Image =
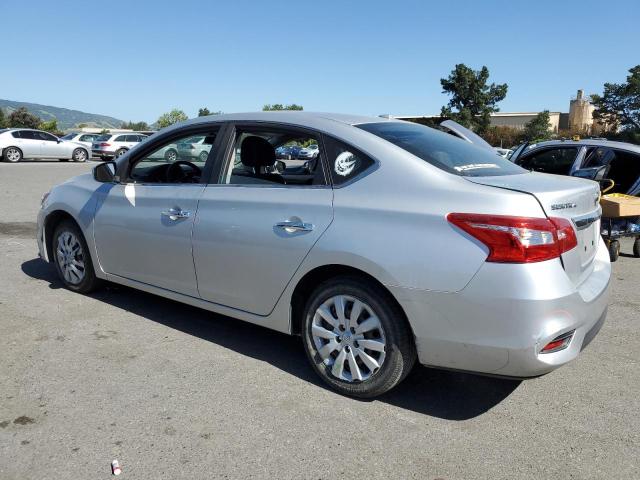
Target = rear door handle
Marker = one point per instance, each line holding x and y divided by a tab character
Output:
176	214
294	226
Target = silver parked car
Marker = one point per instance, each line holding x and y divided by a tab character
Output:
397	243
25	143
85	139
109	145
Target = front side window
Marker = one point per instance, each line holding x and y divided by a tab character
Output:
273	158
442	150
171	162
551	160
46	137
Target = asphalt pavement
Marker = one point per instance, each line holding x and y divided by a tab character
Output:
172	391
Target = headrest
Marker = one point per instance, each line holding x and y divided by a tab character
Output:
257	152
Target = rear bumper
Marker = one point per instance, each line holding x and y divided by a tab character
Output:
506	314
102	153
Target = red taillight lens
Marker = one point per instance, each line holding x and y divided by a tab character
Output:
559	343
104	144
518	239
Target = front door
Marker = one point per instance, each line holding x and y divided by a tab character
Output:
52	147
143	225
257	224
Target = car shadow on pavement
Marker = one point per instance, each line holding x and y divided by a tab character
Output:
443	394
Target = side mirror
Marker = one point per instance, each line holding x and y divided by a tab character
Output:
105	172
60	140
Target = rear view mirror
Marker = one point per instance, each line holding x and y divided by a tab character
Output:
105	172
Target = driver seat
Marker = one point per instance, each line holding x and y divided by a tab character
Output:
256	154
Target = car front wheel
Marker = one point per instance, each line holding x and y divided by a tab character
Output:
72	259
357	338
79	155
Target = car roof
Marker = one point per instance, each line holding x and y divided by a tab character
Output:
302	118
593	142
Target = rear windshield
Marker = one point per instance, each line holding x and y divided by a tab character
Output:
69	136
103	138
443	150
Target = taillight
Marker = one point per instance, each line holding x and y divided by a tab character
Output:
104	144
518	239
559	343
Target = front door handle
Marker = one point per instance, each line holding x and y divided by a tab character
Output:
176	214
291	226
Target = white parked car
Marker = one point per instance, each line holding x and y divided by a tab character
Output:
19	143
309	152
85	139
112	145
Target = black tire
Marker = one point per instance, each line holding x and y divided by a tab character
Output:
89	281
399	351
171	155
636	248
614	250
120	152
77	157
12	154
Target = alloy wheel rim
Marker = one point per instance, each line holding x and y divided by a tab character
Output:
79	155
13	155
172	156
349	338
70	258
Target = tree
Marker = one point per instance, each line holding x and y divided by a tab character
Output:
619	104
50	126
471	97
203	112
137	126
174	116
503	136
278	106
3	120
22	118
538	128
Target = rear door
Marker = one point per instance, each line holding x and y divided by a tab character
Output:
255	226
29	142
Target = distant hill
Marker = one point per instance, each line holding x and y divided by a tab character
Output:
66	118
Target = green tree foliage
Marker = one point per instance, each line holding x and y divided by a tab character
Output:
3	120
278	106
135	126
51	126
203	112
22	118
503	136
619	104
472	99
174	116
538	128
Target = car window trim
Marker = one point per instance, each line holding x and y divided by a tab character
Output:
124	168
225	157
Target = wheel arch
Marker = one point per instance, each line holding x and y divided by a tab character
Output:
51	221
317	275
13	146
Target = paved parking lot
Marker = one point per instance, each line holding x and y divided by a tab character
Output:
175	392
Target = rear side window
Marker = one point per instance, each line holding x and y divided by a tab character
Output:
550	160
121	138
16	134
345	162
442	150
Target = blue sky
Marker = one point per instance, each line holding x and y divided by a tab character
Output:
137	59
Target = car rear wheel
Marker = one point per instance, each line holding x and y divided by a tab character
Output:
12	154
79	155
636	248
121	152
72	259
357	338
203	156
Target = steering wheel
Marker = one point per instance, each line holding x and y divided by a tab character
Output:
176	174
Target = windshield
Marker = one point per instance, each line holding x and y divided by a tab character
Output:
443	150
69	136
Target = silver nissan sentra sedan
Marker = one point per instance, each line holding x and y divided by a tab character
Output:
397	243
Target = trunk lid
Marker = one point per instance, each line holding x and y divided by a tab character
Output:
565	197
